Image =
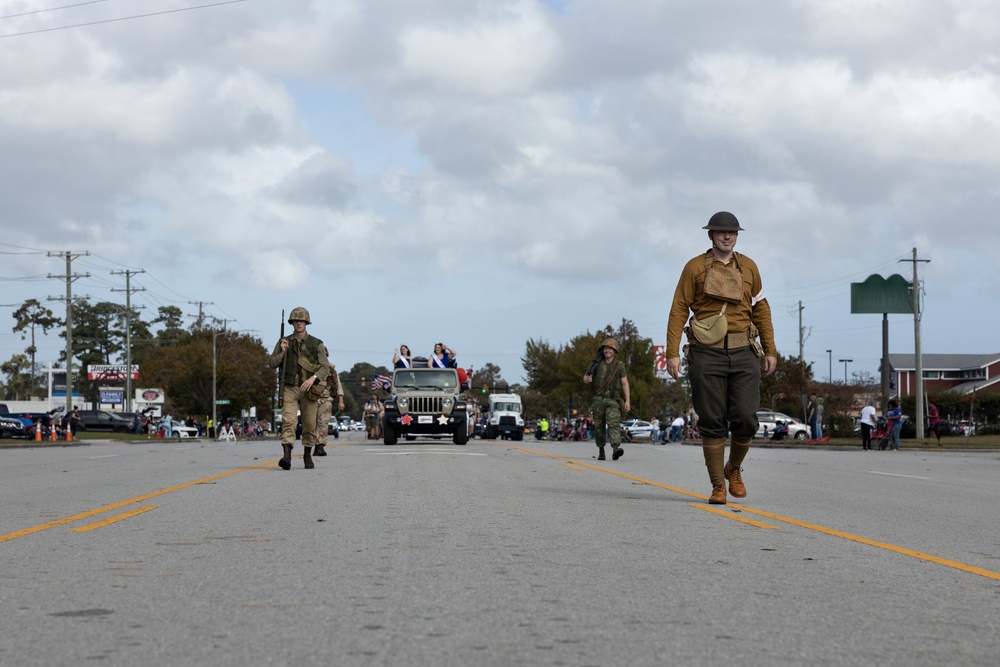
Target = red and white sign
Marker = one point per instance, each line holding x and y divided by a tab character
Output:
149	395
660	361
111	372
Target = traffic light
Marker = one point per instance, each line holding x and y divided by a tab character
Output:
485	388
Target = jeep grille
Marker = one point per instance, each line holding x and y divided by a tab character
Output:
426	404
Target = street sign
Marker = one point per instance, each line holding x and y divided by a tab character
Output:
222	401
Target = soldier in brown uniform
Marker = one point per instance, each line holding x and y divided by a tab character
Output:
324	408
611	399
306	369
723	291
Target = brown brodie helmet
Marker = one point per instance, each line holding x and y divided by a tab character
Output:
723	221
299	313
610	342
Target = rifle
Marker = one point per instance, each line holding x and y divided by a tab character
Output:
598	358
281	368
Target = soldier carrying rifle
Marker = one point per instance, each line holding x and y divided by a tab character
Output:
304	372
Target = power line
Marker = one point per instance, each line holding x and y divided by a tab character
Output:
121	18
52	9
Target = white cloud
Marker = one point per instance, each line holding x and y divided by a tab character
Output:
574	153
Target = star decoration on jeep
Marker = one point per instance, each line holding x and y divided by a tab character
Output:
442	420
405	420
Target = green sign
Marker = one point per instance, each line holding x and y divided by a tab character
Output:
222	401
882	295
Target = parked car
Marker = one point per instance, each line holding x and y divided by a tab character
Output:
640	429
333	428
11	427
128	416
29	419
99	420
182	430
769	419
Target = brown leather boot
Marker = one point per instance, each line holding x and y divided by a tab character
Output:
307	458
736	486
718	496
285	462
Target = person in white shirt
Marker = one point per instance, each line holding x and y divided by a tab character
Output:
677	430
867	425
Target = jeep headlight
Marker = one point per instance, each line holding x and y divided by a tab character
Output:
403	404
447	403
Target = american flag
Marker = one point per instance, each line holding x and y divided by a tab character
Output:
380	381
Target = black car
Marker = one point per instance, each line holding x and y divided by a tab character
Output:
99	420
11	427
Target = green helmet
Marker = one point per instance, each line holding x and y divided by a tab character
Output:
723	221
299	313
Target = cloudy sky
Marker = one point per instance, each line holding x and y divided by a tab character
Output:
482	172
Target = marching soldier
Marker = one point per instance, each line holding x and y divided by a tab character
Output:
305	369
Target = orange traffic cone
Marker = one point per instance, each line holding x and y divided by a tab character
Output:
38	431
69	434
52	433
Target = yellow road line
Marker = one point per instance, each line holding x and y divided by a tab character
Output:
971	569
113	519
729	514
881	545
124	503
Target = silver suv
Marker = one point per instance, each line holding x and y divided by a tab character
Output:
425	402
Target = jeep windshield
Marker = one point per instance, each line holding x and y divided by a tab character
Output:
429	379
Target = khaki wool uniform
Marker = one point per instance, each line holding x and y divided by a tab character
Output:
303	359
324	407
725	378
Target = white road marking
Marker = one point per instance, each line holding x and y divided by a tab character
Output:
893	474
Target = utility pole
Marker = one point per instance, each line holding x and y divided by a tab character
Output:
69	277
128	330
201	315
801	341
916	345
829	375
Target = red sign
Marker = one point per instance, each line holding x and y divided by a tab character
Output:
660	358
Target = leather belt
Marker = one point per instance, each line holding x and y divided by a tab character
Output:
732	341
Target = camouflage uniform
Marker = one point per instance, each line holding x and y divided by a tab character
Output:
606	406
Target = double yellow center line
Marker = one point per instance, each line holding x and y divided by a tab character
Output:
919	555
124	503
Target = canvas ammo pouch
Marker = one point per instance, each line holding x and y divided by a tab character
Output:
724	283
709	330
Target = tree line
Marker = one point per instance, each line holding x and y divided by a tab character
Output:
178	359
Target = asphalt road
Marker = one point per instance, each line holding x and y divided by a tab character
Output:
427	553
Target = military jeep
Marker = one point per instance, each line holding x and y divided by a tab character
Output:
425	402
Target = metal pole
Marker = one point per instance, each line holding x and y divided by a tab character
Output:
69	334
916	345
829	375
215	424
845	362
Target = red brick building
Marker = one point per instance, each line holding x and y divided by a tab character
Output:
961	373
